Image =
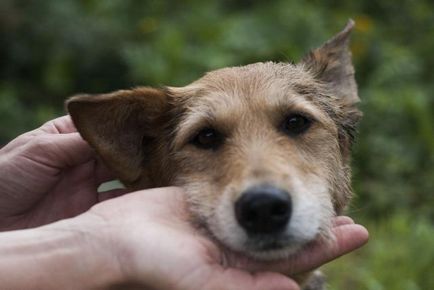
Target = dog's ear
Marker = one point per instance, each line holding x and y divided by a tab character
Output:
121	127
331	63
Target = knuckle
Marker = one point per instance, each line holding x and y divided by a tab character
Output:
48	127
40	142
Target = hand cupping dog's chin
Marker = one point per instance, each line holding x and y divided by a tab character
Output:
244	256
250	260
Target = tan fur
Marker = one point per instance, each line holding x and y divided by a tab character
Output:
144	135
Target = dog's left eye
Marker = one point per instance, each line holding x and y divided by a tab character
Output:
207	138
296	124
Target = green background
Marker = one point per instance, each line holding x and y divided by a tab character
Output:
52	49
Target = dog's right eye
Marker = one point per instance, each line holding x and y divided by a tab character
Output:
296	124
207	138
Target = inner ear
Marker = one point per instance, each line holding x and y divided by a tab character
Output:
331	63
122	127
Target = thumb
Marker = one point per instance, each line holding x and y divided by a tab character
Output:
236	279
348	237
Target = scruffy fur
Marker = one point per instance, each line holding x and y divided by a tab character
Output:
144	135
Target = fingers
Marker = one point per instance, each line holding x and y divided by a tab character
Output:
60	143
241	280
56	144
64	126
348	237
61	125
342	220
64	150
268	280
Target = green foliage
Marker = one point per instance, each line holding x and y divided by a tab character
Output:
52	49
398	256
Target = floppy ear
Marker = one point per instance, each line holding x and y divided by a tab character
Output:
121	126
331	63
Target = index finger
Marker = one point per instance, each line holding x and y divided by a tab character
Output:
60	125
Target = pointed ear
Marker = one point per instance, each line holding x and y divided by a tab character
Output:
331	63
121	126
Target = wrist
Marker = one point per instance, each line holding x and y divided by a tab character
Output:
96	255
70	254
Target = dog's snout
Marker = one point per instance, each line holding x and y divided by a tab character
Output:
263	210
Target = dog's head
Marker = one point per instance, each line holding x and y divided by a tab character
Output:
262	150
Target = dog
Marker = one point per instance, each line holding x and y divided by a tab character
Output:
262	150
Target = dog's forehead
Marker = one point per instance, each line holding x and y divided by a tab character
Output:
256	85
260	80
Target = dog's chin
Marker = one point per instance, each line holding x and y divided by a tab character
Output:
269	248
261	247
274	253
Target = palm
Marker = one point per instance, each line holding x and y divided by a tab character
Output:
161	247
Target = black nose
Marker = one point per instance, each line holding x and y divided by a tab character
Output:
263	210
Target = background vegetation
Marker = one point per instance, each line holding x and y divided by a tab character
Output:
52	49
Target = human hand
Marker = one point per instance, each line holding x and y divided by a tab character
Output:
46	175
144	239
155	245
50	174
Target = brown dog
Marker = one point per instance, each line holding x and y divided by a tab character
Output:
262	150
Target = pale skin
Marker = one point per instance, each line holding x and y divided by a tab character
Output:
58	232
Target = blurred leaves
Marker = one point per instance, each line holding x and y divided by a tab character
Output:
401	257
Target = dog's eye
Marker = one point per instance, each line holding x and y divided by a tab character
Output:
296	124
207	138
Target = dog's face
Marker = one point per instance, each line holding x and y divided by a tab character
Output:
262	150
